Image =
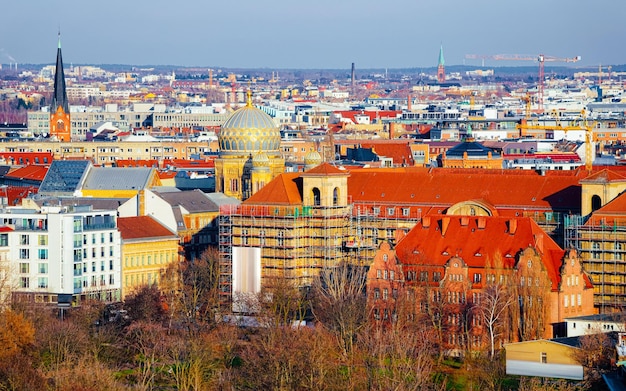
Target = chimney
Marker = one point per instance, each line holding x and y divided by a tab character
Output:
426	221
409	103
464	221
445	222
512	226
352	76
481	222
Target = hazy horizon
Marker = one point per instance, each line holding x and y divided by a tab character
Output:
325	35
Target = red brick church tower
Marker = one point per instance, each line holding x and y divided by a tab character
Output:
60	108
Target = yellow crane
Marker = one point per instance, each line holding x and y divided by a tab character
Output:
541	58
581	124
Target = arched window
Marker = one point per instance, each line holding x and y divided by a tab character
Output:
596	203
335	196
316	196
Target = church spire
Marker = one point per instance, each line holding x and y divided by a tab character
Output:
60	123
59	97
441	71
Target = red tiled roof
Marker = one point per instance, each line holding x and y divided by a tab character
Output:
511	190
326	169
400	152
166	174
502	188
31	172
283	190
478	240
183	163
136	163
142	227
605	175
28	157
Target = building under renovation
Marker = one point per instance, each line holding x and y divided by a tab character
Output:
300	223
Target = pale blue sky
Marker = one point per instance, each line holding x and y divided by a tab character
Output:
316	34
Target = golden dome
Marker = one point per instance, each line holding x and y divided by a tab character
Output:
249	130
261	160
313	158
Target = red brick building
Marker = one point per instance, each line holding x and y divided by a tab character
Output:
445	269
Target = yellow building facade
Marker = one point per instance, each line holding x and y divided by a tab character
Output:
148	249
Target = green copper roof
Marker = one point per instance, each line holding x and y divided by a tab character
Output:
441	60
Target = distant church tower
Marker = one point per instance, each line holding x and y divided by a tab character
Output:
441	71
60	108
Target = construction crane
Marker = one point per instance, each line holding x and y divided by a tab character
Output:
541	58
581	124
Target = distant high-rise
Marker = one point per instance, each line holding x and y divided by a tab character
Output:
59	107
441	71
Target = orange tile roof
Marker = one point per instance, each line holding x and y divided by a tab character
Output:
478	243
511	190
605	175
142	227
31	172
166	174
284	190
502	188
326	169
400	152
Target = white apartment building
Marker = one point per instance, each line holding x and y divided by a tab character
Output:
63	254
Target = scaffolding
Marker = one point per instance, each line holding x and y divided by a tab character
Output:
297	242
601	244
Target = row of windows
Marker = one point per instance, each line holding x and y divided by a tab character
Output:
140	279
385	295
94	281
42	282
82	268
385	274
145	260
569	299
42	268
42	253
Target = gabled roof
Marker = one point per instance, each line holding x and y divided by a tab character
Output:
478	240
325	169
605	175
193	201
143	227
115	178
283	190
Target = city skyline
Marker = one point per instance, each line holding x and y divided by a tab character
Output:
326	35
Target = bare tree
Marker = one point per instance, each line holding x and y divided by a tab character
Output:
339	302
281	302
495	300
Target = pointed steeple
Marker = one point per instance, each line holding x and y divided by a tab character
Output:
441	71
441	60
59	97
